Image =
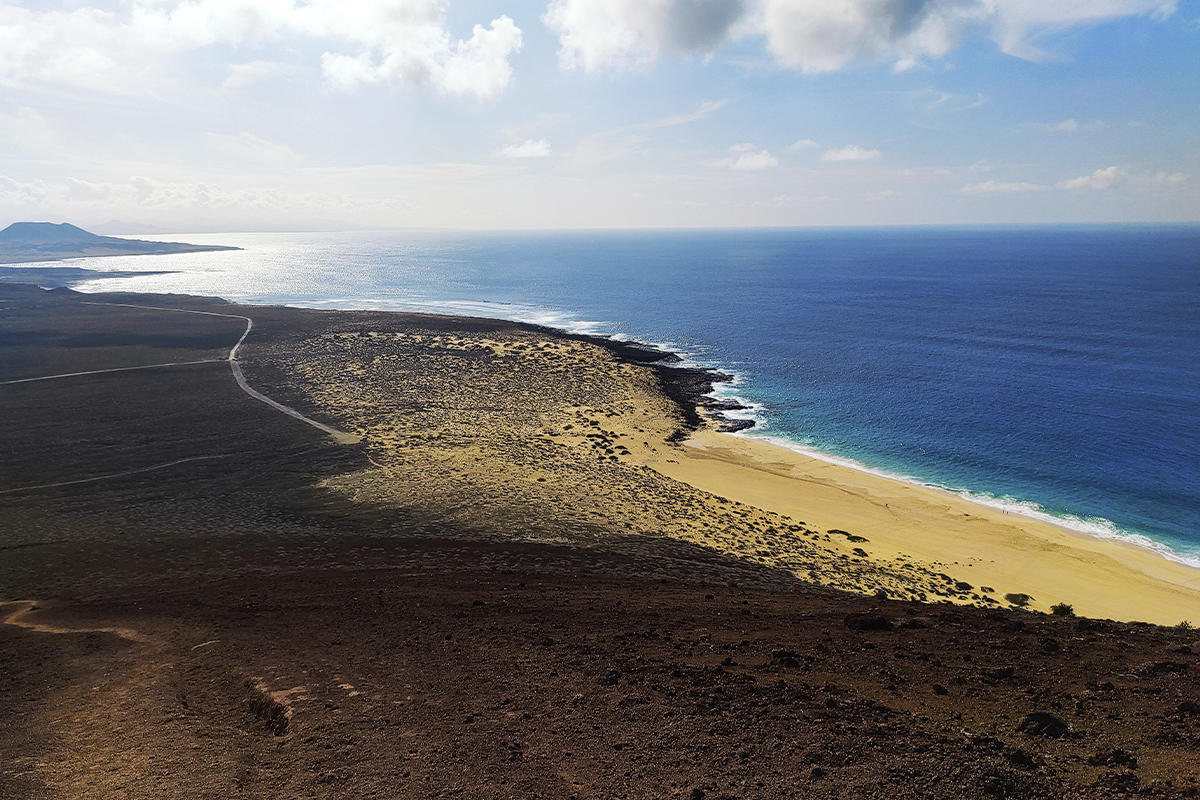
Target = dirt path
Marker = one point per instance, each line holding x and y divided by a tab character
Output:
114	369
114	474
26	607
339	436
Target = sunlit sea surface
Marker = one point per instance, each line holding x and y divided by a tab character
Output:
1053	371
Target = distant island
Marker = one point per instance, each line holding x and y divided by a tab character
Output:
23	242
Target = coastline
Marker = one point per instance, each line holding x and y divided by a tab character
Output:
850	529
828	524
1018	508
1010	553
696	390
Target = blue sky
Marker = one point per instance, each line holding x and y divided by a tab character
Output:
279	114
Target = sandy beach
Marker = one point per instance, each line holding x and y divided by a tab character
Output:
987	547
569	427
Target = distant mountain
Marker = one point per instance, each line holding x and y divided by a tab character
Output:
46	232
48	241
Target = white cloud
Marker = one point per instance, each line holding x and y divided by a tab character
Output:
747	160
803	144
1100	179
402	42
989	187
816	35
530	148
851	153
750	162
616	34
1066	126
85	190
1168	178
15	193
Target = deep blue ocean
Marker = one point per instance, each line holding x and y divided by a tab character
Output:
1052	370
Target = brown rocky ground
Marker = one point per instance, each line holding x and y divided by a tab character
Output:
288	623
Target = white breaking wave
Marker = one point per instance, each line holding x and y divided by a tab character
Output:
1097	527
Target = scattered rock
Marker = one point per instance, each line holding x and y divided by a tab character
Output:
867	622
1155	668
1041	723
1119	781
1114	758
999	673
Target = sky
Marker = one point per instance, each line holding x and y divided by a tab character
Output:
211	115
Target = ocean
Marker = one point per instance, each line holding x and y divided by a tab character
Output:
1053	371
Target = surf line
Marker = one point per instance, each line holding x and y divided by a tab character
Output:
341	437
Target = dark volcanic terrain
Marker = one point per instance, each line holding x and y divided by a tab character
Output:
198	607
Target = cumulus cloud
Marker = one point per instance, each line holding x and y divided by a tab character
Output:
1168	178
851	152
1100	179
530	148
803	144
750	162
815	35
747	160
604	34
400	42
16	193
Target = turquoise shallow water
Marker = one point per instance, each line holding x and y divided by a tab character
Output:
1052	370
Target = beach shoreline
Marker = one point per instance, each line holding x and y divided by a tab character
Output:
695	390
828	524
1009	552
513	429
1021	510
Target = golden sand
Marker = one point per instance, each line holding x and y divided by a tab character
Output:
520	434
985	546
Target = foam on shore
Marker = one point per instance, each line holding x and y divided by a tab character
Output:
1094	527
1011	553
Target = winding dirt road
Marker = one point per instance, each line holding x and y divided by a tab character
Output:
339	436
